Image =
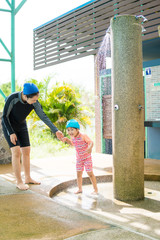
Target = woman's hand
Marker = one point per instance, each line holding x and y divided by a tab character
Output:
59	135
13	138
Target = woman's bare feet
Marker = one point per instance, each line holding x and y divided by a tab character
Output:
22	186
31	181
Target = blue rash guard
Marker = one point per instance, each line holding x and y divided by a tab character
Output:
14	119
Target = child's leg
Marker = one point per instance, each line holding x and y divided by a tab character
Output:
93	181
79	181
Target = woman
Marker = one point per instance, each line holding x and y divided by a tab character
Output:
17	107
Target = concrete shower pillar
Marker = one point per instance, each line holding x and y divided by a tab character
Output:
128	119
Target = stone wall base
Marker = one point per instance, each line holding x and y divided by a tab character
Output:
5	153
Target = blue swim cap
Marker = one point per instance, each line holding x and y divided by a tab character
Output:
73	124
29	88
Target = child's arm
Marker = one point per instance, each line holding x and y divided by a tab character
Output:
89	141
90	146
67	140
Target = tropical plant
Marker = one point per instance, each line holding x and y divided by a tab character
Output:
62	103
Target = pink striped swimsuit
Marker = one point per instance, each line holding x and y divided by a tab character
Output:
84	159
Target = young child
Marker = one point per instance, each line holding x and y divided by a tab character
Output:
83	145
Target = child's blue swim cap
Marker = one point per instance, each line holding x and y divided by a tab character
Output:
73	124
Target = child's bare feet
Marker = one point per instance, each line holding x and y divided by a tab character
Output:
31	181
95	193
78	191
22	186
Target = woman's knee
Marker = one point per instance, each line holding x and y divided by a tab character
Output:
25	151
16	153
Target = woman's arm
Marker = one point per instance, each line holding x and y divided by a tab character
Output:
39	111
9	104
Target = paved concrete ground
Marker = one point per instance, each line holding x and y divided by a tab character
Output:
139	219
28	215
34	215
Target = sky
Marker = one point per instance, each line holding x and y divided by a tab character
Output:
33	14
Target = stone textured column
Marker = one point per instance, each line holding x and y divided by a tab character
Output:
5	153
128	120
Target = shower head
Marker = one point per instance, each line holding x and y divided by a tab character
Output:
141	16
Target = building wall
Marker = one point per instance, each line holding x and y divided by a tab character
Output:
152	83
103	112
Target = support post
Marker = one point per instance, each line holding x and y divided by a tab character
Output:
13	12
128	117
12	46
2	93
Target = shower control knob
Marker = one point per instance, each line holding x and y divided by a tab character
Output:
116	107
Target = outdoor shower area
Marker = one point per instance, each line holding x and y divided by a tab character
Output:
123	37
80	32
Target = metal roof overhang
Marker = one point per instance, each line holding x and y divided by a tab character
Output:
79	32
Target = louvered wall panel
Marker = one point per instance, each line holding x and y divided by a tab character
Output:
80	32
151	10
74	35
